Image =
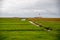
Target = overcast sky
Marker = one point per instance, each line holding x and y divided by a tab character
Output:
29	8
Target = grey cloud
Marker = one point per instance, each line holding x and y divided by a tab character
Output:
30	8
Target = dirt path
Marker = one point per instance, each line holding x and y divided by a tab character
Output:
36	24
40	25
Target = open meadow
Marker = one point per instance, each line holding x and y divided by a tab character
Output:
16	29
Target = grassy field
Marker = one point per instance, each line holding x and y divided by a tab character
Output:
15	29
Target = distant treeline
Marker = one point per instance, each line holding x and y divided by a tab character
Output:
37	18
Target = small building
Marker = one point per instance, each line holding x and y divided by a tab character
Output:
23	19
